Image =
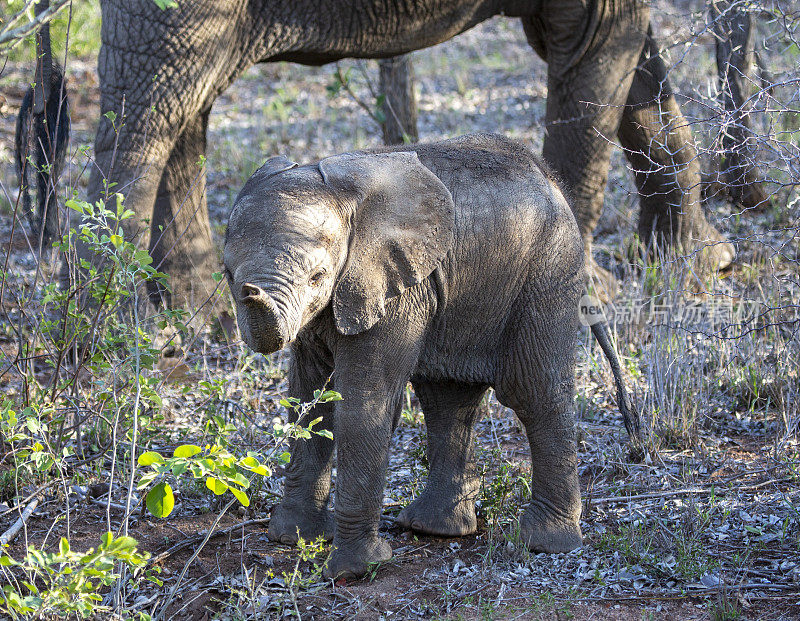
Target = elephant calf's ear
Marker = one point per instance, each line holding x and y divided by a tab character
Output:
402	228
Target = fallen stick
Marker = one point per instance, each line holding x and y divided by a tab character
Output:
701	491
117	508
8	536
202	535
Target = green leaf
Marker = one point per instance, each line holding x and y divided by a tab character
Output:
166	4
116	240
124	543
78	206
149	458
249	462
179	468
240	496
217	276
330	395
241	480
216	486
160	500
187	450
143	257
146	479
63	547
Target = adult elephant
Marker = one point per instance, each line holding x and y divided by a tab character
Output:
164	69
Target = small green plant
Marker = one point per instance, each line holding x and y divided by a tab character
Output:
410	415
503	493
310	552
222	470
724	608
66	582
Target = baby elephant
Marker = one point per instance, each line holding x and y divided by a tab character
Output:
456	265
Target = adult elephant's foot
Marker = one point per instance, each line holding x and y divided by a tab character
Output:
436	512
287	523
352	559
600	283
695	238
716	252
542	531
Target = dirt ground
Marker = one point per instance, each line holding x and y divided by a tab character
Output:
702	525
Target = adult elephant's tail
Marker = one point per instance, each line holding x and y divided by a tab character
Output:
630	415
41	139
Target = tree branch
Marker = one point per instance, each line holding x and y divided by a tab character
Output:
10	37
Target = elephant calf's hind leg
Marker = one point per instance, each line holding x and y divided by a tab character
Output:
542	400
447	505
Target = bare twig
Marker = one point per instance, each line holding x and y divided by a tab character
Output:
698	491
10	37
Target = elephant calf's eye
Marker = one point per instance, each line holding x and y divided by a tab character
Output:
316	279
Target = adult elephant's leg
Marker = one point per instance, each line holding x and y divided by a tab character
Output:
159	70
180	240
304	509
733	28
447	505
658	144
591	50
130	154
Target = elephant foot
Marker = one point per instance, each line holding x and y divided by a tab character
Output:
443	515
543	532
288	523
699	241
353	559
716	252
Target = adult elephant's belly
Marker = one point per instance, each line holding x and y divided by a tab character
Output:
368	29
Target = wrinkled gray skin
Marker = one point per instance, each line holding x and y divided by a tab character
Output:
457	265
164	69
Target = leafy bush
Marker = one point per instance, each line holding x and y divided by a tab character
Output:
67	582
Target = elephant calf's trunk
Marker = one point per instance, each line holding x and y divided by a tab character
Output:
261	324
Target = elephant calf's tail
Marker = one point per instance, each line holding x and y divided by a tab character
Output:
630	415
41	144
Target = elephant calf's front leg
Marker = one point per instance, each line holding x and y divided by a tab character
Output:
363	431
303	511
372	370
